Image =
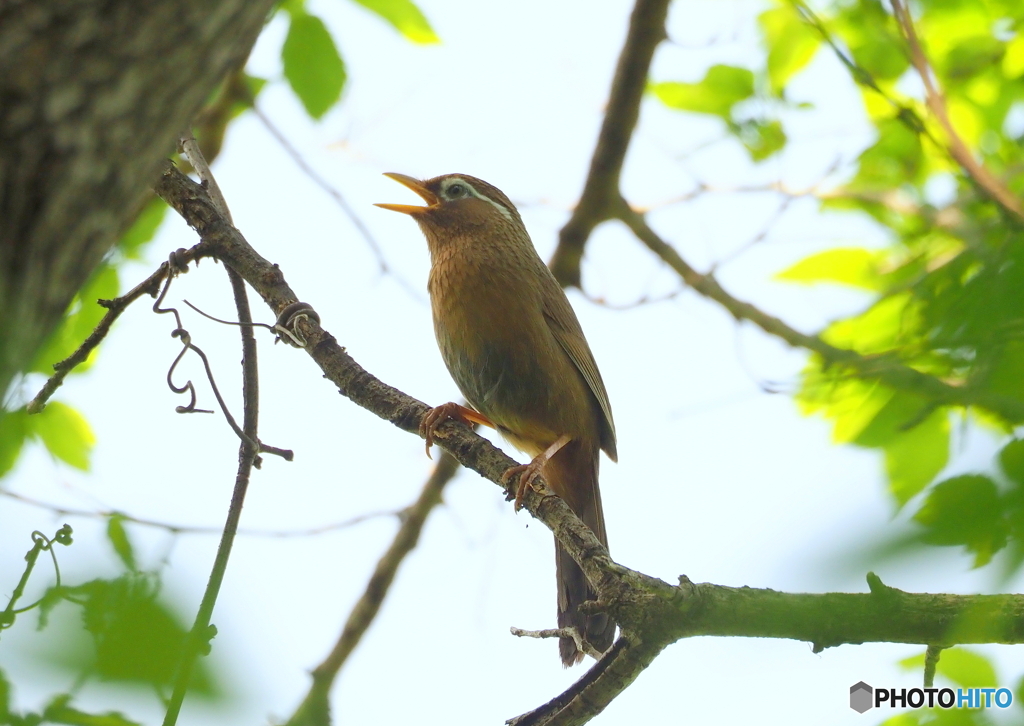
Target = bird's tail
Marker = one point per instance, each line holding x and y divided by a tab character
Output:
572	474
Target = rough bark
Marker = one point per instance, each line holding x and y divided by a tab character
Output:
92	97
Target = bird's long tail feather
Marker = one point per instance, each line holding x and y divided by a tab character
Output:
572	474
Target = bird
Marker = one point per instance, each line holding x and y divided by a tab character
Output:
514	347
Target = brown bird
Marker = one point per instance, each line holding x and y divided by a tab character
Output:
513	345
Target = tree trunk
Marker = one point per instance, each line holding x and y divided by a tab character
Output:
93	94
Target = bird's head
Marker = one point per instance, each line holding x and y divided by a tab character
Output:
457	206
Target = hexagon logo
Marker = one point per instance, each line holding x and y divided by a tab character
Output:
860	697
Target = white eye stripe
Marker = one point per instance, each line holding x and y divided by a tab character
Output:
449	183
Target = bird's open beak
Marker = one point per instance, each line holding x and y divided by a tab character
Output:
417	186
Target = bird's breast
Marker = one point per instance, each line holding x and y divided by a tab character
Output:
490	328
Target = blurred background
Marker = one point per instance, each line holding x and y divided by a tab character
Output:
722	477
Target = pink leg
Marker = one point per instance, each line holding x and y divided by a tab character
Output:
529	472
454	411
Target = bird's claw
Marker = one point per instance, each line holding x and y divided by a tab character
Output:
431	420
436	416
527	474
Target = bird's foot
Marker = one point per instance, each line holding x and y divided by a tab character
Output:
528	472
436	416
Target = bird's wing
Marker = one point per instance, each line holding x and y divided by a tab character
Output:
567	331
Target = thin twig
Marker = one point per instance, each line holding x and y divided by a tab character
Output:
195	155
931	663
366	609
229	322
340	200
761	236
882	367
985	180
177	264
703	188
40	543
192	529
567	632
248	455
149	286
638	303
859	73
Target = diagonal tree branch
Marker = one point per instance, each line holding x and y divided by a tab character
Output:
601	189
315	707
650	612
985	180
882	367
597	688
150	286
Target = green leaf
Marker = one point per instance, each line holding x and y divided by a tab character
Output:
895	159
1013	60
1011	459
104	285
964	510
971	56
5	698
1007	370
255	84
244	97
880	328
761	138
406	18
854	266
118	537
850	402
791	44
14	427
144	228
59	711
66	434
965	668
312	64
915	458
873	38
136	637
720	89
915	442
120	630
53	597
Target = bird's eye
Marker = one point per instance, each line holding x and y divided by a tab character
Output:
456	190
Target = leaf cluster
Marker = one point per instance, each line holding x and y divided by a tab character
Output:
133	635
946	291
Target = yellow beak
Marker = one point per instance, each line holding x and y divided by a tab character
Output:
417	186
